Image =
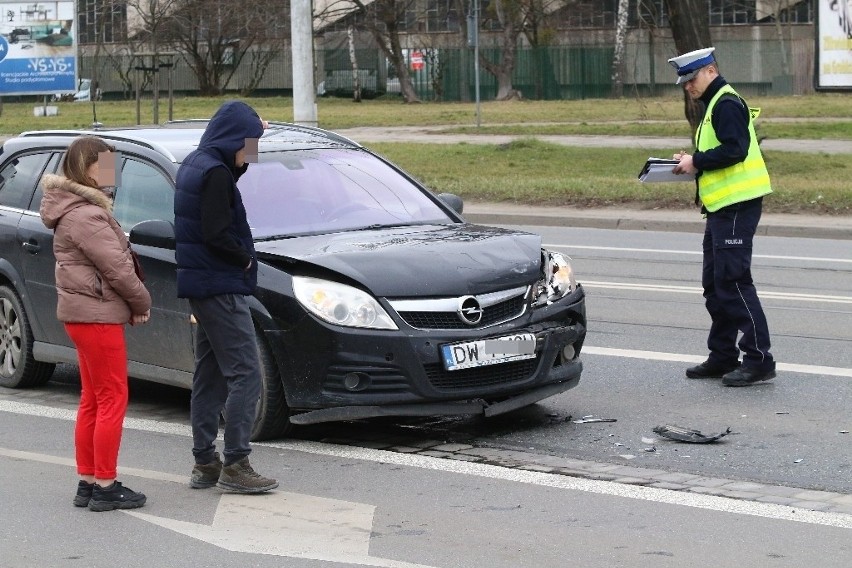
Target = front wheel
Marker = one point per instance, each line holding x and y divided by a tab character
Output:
272	415
18	367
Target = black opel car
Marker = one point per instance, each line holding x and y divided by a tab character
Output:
375	297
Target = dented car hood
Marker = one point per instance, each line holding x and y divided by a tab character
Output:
423	260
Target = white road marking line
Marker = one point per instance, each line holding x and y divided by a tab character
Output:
652	494
698	253
683	358
699	291
283	523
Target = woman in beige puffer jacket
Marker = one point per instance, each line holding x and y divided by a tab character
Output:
98	293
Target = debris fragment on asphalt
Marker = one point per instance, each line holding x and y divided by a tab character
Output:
650	449
589	419
844	431
682	434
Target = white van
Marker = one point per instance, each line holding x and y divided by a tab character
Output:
83	93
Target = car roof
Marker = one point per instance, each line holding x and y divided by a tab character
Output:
175	139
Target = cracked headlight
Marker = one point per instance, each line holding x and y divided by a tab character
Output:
340	304
557	278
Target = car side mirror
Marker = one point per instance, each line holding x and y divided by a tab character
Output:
455	202
154	233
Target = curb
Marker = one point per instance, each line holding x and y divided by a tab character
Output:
793	497
772	225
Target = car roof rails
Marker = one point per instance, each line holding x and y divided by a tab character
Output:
331	135
104	134
274	125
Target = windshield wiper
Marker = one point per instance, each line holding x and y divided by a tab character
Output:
375	226
275	238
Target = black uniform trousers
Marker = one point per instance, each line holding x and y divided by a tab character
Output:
729	292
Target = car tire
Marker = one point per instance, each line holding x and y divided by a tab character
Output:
272	418
18	367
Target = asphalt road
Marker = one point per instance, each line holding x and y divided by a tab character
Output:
342	506
530	488
647	323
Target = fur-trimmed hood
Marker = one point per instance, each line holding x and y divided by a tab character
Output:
95	279
62	195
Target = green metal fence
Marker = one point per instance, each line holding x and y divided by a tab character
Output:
549	73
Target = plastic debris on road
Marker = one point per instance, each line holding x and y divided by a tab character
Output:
589	419
690	435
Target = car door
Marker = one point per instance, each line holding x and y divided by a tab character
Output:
30	247
144	191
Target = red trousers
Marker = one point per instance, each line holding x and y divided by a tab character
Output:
102	354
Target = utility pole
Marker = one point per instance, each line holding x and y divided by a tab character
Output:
302	39
473	41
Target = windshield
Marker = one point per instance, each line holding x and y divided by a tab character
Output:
330	190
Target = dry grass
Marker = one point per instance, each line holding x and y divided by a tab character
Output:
528	170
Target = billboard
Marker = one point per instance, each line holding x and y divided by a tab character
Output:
38	48
834	45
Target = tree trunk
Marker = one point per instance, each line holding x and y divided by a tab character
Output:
779	31
505	68
356	80
690	30
618	56
406	87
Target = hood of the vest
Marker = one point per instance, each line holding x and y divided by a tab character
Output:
426	260
227	131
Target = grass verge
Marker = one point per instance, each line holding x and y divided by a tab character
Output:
529	170
535	172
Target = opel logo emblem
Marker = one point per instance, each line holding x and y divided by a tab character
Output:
470	311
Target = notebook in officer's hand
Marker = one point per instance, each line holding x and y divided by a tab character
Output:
660	169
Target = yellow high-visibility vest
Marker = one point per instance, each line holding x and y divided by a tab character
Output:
740	182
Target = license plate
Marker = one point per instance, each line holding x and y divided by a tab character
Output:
488	351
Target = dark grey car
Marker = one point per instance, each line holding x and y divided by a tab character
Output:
375	297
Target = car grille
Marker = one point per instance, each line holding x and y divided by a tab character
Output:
491	375
443	313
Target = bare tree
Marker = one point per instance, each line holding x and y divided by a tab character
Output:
618	56
382	19
103	14
539	28
690	24
151	19
776	7
215	35
510	15
353	60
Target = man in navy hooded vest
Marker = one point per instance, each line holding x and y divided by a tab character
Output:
216	270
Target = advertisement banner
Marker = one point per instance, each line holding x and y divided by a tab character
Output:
834	45
38	48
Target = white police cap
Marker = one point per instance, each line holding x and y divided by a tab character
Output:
688	64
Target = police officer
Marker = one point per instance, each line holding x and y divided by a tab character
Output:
731	180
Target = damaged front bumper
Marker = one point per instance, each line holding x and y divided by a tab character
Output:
470	408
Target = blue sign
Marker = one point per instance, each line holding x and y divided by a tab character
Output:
38	53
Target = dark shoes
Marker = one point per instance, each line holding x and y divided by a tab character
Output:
711	370
114	496
241	478
206	475
84	494
745	376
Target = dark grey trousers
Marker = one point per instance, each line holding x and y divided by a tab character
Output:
227	376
